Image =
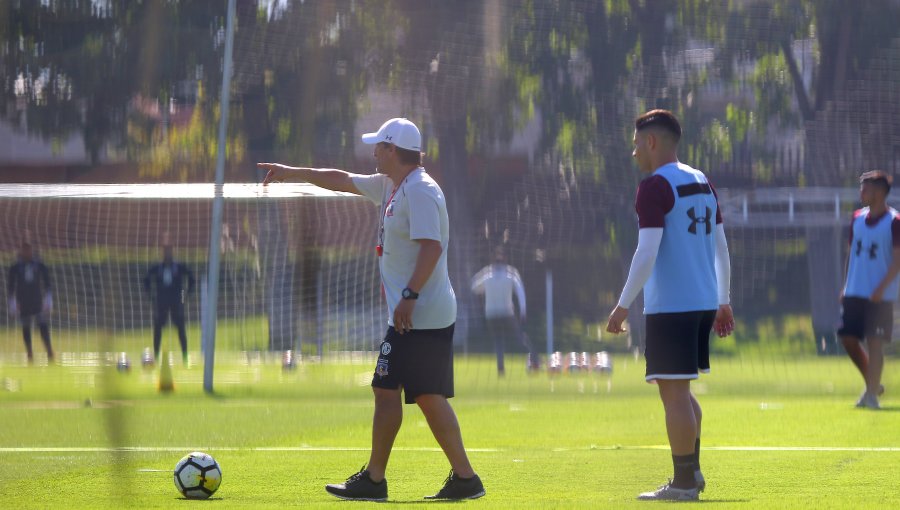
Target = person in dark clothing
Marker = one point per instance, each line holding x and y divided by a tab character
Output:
28	288
168	283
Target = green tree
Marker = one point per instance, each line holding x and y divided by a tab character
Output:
77	67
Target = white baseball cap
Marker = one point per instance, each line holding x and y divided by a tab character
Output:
400	132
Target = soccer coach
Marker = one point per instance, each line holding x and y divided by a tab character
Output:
682	264
416	356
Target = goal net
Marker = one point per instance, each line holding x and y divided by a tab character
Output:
297	271
526	111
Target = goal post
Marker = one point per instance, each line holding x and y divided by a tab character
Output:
208	339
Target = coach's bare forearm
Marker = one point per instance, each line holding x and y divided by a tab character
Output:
328	178
429	255
893	271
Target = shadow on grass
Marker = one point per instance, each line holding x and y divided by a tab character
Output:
425	502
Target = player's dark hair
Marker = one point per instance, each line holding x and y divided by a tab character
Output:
878	178
663	119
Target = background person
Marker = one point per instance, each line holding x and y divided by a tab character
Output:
871	283
168	284
30	298
499	282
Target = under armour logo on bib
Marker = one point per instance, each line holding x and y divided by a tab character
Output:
873	249
692	214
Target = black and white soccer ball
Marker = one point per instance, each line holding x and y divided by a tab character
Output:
197	476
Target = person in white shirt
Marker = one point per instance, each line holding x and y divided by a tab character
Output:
499	283
416	356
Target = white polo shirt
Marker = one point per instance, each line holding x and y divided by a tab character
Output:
416	210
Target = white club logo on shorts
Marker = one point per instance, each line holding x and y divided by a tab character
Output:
385	348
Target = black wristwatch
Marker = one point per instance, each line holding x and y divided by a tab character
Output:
409	294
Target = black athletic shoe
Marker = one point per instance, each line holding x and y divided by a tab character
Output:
359	487
456	488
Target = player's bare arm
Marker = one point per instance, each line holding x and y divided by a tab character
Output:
328	178
616	322
846	269
429	253
893	271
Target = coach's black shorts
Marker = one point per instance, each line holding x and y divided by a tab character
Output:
420	361
862	318
678	344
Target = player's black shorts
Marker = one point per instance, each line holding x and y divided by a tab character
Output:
862	318
678	344
420	361
27	320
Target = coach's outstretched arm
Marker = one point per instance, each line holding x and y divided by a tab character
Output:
328	178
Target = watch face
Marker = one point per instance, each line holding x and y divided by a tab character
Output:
407	293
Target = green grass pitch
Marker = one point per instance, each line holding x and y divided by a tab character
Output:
777	434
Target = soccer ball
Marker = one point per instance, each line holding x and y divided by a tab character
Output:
197	476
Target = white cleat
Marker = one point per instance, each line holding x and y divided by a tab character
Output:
868	401
872	402
669	493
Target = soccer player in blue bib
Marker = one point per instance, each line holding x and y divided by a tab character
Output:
682	264
871	284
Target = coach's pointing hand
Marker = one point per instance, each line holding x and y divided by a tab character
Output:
276	172
616	320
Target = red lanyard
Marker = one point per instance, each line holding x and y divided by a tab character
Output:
389	200
379	248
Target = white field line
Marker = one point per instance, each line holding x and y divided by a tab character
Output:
745	448
102	449
126	449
